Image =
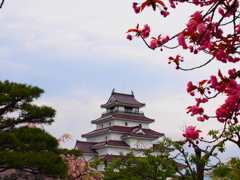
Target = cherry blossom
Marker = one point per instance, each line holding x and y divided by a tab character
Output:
192	133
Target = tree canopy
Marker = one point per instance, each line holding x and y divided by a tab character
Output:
156	164
228	171
33	152
29	150
16	106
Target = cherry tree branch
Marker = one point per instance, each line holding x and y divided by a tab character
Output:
1	5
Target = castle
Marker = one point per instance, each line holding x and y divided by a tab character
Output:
121	128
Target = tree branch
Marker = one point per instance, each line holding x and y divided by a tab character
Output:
1	5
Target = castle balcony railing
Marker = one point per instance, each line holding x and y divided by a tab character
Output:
126	111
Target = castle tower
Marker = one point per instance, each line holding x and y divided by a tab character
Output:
121	128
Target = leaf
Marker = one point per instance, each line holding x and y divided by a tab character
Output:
202	82
236	38
159	36
160	2
225	40
220	75
147	3
132	30
137	26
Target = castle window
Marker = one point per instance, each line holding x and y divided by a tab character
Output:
102	125
126	123
109	124
106	137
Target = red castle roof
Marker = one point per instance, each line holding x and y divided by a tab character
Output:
124	99
138	131
122	129
88	147
122	116
85	147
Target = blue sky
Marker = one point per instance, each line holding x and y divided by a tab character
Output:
77	52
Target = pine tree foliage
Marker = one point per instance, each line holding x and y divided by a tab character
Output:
16	106
30	151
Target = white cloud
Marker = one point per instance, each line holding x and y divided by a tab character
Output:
75	110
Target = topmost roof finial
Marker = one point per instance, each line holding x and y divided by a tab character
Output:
132	92
113	90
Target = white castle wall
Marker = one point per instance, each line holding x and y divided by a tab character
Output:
117	122
112	150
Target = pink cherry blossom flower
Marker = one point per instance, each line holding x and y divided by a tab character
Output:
145	31
210	46
195	51
197	110
197	15
181	41
129	37
135	8
221	56
164	13
196	2
192	93
213	1
201	100
205	40
222	113
191	48
191	24
201	27
231	72
232	87
238	28
192	133
172	4
153	44
200	118
190	86
220	11
233	60
165	39
232	102
214	82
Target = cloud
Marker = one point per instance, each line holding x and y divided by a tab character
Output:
75	110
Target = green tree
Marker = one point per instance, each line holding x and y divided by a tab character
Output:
30	151
228	171
33	152
16	106
155	165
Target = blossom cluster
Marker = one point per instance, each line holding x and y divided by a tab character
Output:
144	33
206	32
79	169
154	3
201	32
155	42
192	133
229	110
204	35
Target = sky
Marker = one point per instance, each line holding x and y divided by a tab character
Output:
77	52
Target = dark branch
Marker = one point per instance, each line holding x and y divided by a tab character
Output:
1	5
